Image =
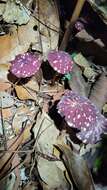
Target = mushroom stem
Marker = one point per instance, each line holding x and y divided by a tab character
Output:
17	81
55	78
74	17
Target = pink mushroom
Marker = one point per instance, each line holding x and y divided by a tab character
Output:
60	61
79	26
25	65
81	113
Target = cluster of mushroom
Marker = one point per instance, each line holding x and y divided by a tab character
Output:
27	64
80	113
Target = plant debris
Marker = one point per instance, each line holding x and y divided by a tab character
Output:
53	95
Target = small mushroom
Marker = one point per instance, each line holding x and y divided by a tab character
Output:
79	112
25	65
60	61
79	26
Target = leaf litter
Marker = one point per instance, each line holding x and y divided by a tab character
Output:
38	149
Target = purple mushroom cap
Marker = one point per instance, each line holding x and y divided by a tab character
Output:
60	61
81	113
25	65
79	26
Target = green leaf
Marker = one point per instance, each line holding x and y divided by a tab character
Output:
98	163
67	76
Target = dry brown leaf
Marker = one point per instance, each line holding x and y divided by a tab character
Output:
6	100
2	6
4	71
77	82
52	90
84	63
27	133
77	168
4	85
32	85
22	114
16	161
6	113
42	38
89	47
31	186
83	34
56	91
8	47
57	96
18	41
105	108
15	13
27	35
52	175
46	133
99	92
24	93
7	158
48	14
46	106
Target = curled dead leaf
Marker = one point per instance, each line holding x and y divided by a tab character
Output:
24	94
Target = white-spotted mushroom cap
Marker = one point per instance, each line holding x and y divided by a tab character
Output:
60	61
25	65
79	112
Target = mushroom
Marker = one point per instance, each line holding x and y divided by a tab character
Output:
60	61
25	65
79	26
80	113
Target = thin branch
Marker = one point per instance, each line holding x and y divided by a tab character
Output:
76	13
